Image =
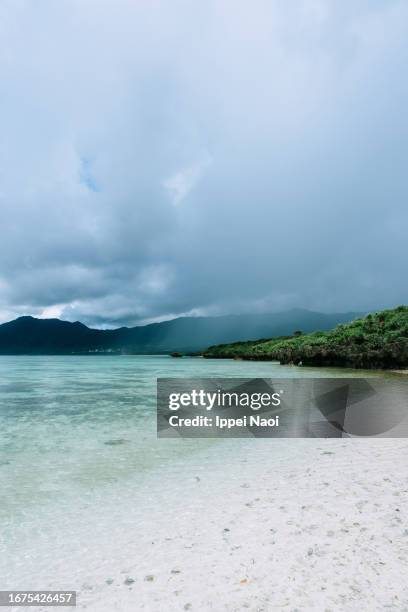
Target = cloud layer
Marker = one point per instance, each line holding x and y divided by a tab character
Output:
163	158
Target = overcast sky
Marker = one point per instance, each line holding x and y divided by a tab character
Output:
160	158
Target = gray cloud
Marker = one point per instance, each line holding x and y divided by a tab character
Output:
165	158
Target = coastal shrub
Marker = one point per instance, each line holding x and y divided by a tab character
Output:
378	340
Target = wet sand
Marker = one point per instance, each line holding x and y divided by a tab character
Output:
92	501
291	525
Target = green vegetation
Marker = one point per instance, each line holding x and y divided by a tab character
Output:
379	340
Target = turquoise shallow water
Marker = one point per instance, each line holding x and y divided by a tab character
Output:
86	484
72	424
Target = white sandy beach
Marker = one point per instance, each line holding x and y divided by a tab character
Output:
92	501
281	524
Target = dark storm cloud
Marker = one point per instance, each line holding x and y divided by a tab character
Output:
165	158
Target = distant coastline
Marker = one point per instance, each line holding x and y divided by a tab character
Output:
297	337
30	336
377	341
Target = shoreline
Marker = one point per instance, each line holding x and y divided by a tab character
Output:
135	522
311	525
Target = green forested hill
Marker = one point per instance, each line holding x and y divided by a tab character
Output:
379	340
30	336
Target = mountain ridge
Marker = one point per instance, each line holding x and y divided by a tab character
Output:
30	335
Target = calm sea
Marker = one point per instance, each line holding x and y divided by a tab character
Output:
78	422
79	456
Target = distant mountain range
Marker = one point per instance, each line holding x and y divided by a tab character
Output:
31	336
